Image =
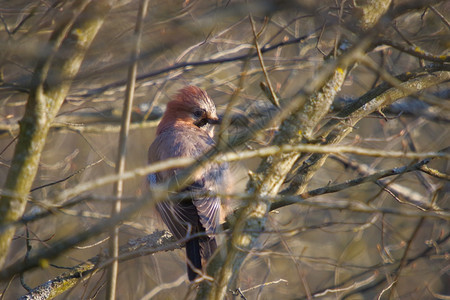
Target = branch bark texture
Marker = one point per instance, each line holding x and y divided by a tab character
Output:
50	84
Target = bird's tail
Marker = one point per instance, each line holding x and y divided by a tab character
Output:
196	249
193	255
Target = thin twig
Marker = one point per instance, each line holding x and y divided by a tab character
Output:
435	173
403	260
120	164
442	17
67	177
186	64
245	154
27	241
273	97
417	52
164	286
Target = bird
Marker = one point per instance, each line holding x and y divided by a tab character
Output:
187	130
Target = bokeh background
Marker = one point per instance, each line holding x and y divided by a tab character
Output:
306	251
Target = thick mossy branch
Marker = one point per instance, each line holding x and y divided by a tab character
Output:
372	11
319	104
50	84
310	106
317	97
157	241
338	128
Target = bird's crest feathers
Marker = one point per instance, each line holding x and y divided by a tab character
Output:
191	106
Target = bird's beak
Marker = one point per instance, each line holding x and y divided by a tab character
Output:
214	120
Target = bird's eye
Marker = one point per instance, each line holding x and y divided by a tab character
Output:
199	113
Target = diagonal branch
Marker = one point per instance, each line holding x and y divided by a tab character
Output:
50	85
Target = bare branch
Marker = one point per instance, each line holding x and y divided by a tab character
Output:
51	82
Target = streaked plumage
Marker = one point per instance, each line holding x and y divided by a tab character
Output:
186	131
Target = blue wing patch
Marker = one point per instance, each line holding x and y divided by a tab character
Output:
151	178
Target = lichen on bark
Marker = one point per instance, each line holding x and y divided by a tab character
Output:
50	84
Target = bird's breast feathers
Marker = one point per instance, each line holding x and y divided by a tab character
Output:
180	142
183	142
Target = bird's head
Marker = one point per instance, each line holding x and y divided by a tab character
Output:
193	107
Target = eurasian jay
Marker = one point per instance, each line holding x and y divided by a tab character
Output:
186	131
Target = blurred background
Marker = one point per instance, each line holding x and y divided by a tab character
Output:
306	252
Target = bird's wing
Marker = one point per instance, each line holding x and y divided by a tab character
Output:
212	182
182	217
